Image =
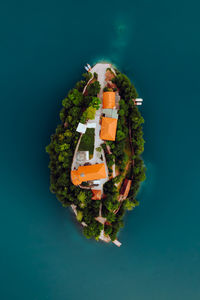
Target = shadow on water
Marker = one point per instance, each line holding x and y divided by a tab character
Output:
121	33
150	183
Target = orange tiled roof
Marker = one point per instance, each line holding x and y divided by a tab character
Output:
86	173
96	194
108	99
108	129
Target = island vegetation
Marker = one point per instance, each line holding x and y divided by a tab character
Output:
129	134
87	141
125	152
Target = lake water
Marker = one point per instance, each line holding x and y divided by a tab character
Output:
44	45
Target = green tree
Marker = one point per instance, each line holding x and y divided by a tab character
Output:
107	229
120	135
82	197
68	133
95	102
87	76
129	204
121	112
79	215
90	113
75	97
93	89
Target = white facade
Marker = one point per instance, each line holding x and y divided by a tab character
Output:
96	181
91	125
81	128
117	243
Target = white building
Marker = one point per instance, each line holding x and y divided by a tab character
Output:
81	128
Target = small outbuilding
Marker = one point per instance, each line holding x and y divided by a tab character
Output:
96	195
81	128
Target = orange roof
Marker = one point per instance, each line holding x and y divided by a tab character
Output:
108	129
108	99
86	173
96	194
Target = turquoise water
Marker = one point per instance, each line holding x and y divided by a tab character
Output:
44	45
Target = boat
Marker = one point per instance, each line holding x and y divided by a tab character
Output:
89	67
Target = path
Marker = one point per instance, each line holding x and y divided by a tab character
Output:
100	69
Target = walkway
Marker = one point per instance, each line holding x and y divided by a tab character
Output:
98	157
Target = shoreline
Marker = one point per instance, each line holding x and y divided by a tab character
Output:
105	172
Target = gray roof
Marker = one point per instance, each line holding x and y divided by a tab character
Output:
110	113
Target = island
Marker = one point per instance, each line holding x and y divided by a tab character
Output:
95	153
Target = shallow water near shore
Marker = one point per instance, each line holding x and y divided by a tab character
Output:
43	49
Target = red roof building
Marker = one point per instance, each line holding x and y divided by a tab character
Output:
124	191
96	195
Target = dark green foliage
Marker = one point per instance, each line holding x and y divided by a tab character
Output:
93	227
110	160
115	229
80	86
87	76
107	229
127	90
111	201
93	89
92	230
107	89
87	141
95	102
